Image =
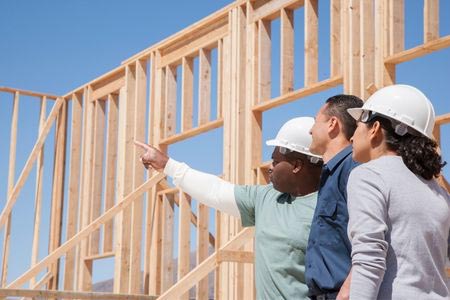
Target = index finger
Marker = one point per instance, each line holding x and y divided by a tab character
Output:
142	145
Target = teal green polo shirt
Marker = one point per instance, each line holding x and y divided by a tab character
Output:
282	225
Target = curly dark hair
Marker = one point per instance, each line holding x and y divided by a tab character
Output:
337	107
419	153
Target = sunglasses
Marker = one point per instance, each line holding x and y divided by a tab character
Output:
399	128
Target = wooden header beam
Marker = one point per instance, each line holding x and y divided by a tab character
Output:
44	294
27	93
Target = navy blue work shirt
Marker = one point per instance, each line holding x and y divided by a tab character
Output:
328	255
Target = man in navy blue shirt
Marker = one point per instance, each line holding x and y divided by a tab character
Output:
328	255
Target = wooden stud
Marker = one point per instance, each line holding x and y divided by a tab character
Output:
354	48
220	62
396	26
125	181
84	280
431	20
384	72
311	42
204	87
187	96
58	191
97	172
345	47
167	268
38	193
265	59
202	247
156	248
11	175
151	194
111	165
335	38
170	101
287	52
367	63
138	177
184	237
74	189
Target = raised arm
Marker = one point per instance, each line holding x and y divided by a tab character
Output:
206	188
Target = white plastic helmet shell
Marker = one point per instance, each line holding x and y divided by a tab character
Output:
294	135
403	103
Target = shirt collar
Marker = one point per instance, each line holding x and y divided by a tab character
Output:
336	160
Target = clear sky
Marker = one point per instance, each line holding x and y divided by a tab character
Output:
55	46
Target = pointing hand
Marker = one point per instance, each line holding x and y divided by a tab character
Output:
152	157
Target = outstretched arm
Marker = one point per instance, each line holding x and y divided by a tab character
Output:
206	188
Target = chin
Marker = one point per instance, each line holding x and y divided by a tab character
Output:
359	158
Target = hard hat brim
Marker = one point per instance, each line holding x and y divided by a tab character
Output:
277	143
355	112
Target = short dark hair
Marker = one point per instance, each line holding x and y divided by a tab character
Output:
337	107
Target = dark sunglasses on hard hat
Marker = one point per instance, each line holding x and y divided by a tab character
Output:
367	116
399	128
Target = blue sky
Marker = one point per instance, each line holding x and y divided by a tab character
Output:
55	46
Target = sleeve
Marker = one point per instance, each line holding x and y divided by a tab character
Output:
206	188
366	230
245	198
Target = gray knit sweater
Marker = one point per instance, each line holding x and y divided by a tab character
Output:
399	225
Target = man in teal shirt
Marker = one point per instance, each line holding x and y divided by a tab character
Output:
281	211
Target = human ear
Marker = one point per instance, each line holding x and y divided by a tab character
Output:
375	132
333	123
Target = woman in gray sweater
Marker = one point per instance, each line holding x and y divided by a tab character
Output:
399	216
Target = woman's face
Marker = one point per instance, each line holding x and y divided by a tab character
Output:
361	143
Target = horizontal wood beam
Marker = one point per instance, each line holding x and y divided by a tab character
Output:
109	214
44	294
99	80
418	51
192	132
442	119
206	41
271	10
27	93
235	256
297	94
172	40
109	88
100	255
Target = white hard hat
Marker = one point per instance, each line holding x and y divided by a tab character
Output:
294	135
402	103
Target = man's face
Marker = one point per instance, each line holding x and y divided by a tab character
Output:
281	173
319	132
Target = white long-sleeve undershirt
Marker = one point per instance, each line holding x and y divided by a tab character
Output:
206	188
